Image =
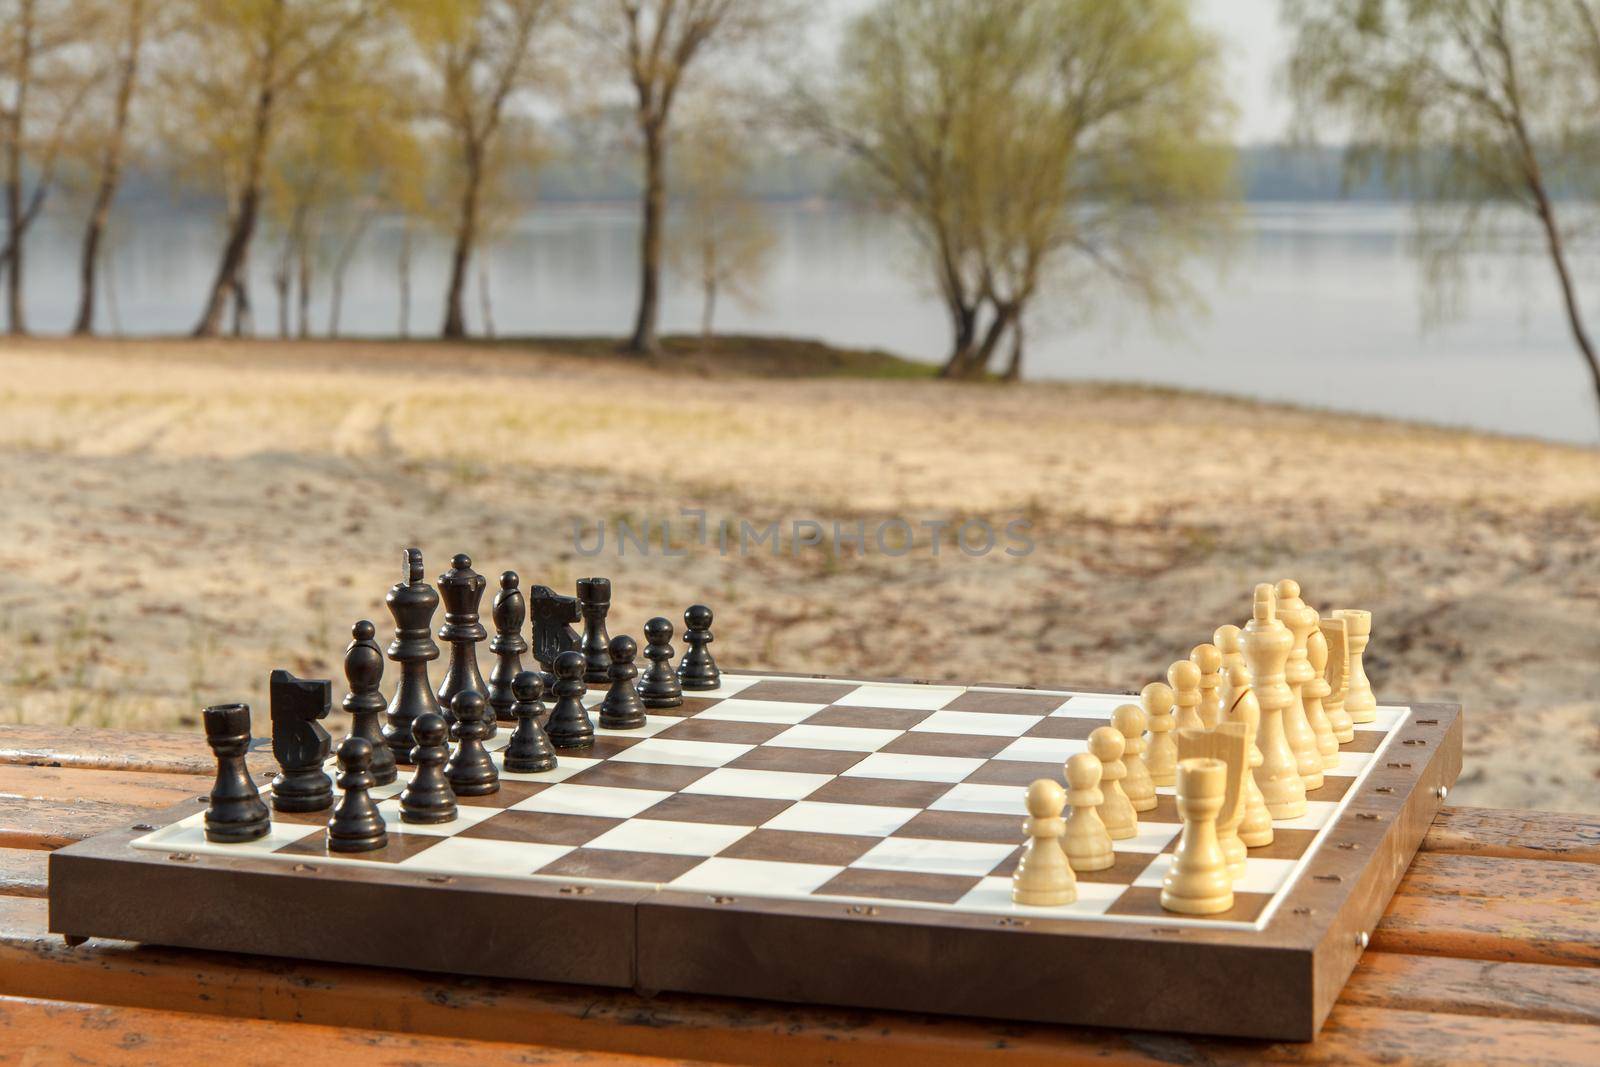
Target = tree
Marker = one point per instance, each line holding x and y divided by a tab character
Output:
45	88
125	28
657	42
480	58
721	239
246	63
1466	105
1021	138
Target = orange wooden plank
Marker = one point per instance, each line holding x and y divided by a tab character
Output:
52	824
117	750
22	872
144	789
44	1032
1475	987
1535	835
34	963
1487	908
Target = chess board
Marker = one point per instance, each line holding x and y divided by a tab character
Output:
808	839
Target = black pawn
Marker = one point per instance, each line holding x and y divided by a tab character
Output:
363	669
510	611
412	602
658	685
697	670
594	600
356	825
428	798
529	751
570	725
622	709
236	813
461	588
471	769
299	743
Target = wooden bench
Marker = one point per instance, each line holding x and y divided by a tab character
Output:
1490	951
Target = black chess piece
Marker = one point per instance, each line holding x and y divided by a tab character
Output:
356	825
553	616
658	685
461	587
698	670
236	813
299	743
510	611
471	769
529	751
594	600
622	709
428	798
569	725
363	669
412	602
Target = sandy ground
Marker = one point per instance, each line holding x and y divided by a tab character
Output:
178	519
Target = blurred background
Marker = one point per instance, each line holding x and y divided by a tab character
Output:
1201	292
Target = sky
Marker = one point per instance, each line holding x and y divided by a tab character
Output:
1254	47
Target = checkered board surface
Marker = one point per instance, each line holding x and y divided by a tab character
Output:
790	788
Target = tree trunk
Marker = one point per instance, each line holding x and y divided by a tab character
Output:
644	341
455	320
1569	296
16	320
243	317
964	328
304	330
110	173
281	282
485	306
243	223
1014	364
341	267
405	280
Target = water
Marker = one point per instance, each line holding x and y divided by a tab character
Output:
1314	303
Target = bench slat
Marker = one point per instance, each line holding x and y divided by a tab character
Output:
53	824
22	872
1414	996
1535	835
64	1031
145	789
117	750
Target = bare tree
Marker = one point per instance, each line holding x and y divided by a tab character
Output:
129	36
480	54
657	42
1465	104
46	94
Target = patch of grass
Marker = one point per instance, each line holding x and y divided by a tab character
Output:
736	355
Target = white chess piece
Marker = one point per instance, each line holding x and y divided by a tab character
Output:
1086	842
1116	810
1209	659
1265	646
1226	638
1043	876
1230	743
1255	829
1300	620
1129	719
1359	703
1338	672
1184	677
1313	692
1161	756
1198	883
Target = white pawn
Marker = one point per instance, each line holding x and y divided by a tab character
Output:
1209	659
1086	842
1313	692
1184	677
1198	882
1161	756
1300	620
1255	829
1043	876
1129	719
1116	810
1226	638
1359	703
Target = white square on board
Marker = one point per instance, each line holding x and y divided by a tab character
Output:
994	895
835	738
755	877
861	820
977	723
904	767
763	785
934	857
1091	707
671	838
681	753
605	801
986	800
466	815
907	697
1042	749
782	712
475	856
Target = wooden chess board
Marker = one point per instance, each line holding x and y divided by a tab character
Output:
807	839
